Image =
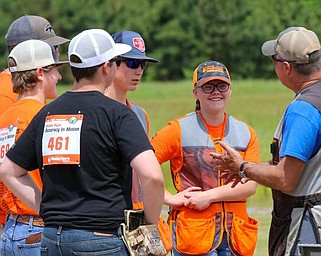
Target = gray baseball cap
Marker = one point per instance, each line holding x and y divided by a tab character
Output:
32	27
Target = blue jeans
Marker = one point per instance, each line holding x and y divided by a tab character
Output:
222	250
64	242
13	239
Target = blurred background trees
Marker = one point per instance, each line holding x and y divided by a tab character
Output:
181	34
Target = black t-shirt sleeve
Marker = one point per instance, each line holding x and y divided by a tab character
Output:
23	151
130	136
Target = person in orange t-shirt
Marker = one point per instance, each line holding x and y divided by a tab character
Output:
206	216
7	96
24	28
33	65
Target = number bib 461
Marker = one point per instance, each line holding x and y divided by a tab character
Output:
61	139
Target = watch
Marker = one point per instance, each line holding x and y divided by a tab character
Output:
242	172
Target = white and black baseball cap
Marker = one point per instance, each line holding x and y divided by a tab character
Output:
94	47
33	54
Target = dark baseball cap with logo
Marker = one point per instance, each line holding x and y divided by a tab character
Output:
32	27
210	70
137	43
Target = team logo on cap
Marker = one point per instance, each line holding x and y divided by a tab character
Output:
48	28
139	44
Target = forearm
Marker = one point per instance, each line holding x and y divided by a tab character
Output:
25	189
167	198
21	184
228	193
153	194
283	176
152	183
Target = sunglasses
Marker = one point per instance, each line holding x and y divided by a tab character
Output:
113	60
275	59
210	88
132	63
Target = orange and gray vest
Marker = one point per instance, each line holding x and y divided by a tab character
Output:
197	170
137	194
290	208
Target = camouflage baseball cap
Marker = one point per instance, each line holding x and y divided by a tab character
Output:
294	44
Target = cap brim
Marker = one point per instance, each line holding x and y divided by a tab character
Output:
268	48
121	48
140	57
206	80
57	40
60	63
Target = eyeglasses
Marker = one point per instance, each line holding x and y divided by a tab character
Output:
210	88
132	63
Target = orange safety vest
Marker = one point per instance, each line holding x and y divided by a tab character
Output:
198	232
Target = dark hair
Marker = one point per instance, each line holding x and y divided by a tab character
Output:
10	47
197	105
80	73
313	66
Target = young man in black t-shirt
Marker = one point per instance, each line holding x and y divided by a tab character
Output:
83	142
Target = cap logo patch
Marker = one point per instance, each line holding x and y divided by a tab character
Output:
212	69
139	44
48	28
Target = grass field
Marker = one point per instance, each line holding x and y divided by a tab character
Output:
260	103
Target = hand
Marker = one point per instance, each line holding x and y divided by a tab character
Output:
228	163
235	177
197	200
180	198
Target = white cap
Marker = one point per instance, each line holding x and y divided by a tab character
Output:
94	47
33	54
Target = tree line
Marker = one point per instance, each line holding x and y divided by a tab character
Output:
180	33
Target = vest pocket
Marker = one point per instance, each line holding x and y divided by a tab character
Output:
194	236
244	235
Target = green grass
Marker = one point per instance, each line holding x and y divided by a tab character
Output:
260	103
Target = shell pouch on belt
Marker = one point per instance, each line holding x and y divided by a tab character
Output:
141	238
194	235
244	235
